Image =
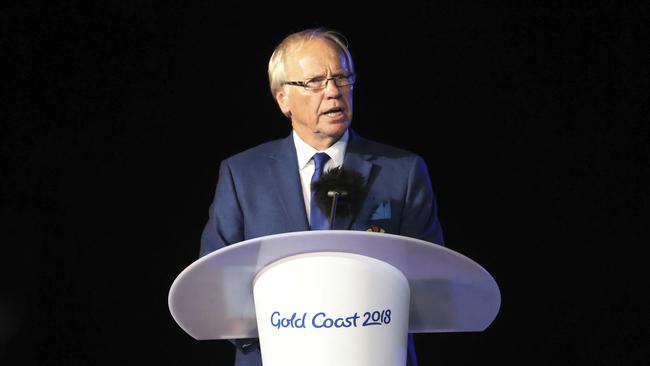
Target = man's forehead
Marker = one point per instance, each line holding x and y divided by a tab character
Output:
316	57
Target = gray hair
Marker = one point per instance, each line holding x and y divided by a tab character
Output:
276	64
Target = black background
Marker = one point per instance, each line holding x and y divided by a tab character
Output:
532	118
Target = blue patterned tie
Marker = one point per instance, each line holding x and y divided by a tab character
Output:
317	219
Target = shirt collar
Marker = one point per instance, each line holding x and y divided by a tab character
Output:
306	152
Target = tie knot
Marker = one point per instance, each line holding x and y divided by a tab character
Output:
320	159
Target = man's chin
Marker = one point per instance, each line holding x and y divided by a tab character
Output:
335	130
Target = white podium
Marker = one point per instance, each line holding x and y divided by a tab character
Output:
332	297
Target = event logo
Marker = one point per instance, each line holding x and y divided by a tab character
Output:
322	320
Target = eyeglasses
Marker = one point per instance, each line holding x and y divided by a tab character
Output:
320	82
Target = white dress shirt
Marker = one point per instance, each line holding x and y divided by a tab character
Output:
306	166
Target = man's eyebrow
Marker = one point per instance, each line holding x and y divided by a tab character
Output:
313	76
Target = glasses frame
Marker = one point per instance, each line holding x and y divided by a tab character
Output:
352	76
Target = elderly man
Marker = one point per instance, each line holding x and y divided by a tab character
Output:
267	189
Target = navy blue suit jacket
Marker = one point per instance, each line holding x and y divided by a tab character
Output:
259	193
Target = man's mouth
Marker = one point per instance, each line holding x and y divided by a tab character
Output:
334	112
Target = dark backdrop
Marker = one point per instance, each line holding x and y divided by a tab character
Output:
532	118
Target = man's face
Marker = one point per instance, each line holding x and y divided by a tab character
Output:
319	117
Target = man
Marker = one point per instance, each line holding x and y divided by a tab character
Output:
266	190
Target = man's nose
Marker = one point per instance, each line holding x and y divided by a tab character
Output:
331	90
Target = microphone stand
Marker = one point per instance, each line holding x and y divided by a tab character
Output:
335	200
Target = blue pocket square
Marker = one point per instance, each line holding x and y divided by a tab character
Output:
382	212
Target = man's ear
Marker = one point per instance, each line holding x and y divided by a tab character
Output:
283	101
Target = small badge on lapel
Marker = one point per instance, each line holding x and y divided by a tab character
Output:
382	212
376	229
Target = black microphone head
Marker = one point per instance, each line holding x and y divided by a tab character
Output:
349	185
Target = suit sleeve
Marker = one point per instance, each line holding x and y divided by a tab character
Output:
226	221
420	216
226	226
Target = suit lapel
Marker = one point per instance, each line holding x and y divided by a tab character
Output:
283	166
356	160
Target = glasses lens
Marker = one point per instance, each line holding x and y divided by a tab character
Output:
344	80
316	83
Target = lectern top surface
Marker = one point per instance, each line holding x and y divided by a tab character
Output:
213	297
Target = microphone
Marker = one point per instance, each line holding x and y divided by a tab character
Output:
338	191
